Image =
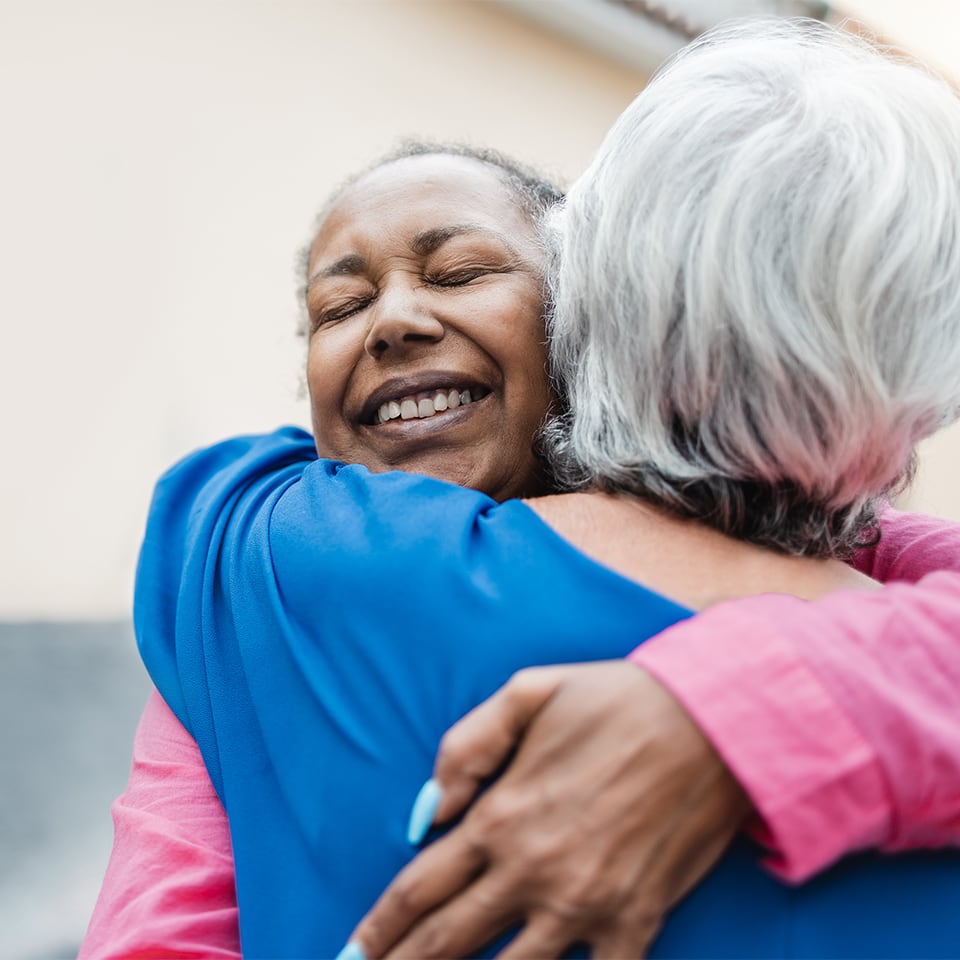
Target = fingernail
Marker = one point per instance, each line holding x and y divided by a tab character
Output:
424	810
352	951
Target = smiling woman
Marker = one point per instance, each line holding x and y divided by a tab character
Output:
317	702
426	332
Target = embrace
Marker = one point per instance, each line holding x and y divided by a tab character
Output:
611	472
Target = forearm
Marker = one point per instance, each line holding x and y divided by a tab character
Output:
911	546
838	717
169	886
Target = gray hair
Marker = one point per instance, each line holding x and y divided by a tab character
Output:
534	191
757	302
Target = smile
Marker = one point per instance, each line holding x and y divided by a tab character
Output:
426	404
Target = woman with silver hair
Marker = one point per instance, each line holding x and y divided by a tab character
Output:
741	265
271	544
760	268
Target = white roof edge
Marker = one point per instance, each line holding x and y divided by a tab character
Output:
612	30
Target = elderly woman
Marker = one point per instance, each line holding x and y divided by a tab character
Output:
285	540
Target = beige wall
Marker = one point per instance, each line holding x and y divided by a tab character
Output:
929	29
160	167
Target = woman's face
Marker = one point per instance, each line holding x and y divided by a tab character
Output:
425	303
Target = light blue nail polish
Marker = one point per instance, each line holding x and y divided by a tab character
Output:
424	810
352	951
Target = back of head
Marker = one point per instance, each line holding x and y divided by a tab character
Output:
757	306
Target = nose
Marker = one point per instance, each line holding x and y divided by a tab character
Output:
400	322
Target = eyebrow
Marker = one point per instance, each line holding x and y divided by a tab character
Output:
351	264
428	241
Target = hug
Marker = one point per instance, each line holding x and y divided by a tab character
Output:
545	431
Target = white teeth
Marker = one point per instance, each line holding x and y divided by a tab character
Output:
388	411
408	408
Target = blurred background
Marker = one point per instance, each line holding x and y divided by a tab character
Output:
161	167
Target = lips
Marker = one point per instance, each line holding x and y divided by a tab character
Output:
420	398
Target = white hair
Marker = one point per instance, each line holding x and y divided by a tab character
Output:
756	312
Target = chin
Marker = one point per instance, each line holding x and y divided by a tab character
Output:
451	468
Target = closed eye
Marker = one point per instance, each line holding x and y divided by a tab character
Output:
459	278
339	312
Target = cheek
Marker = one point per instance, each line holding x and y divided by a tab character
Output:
529	351
327	373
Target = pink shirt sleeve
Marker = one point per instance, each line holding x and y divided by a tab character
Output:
169	887
839	718
867	752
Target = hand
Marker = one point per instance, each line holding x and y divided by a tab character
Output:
614	806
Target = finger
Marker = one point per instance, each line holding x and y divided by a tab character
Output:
632	940
543	937
435	875
461	926
477	746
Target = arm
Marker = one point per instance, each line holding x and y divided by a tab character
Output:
169	887
314	513
611	808
912	545
837	718
260	751
879	672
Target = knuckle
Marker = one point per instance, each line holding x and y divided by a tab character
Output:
581	895
495	814
455	747
504	825
524	681
432	941
373	933
544	853
404	897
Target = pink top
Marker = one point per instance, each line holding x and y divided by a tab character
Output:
168	889
866	752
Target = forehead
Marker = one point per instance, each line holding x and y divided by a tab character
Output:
406	197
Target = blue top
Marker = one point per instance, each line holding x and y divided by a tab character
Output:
317	628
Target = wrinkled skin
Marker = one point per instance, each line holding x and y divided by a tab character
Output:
425	276
613	807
